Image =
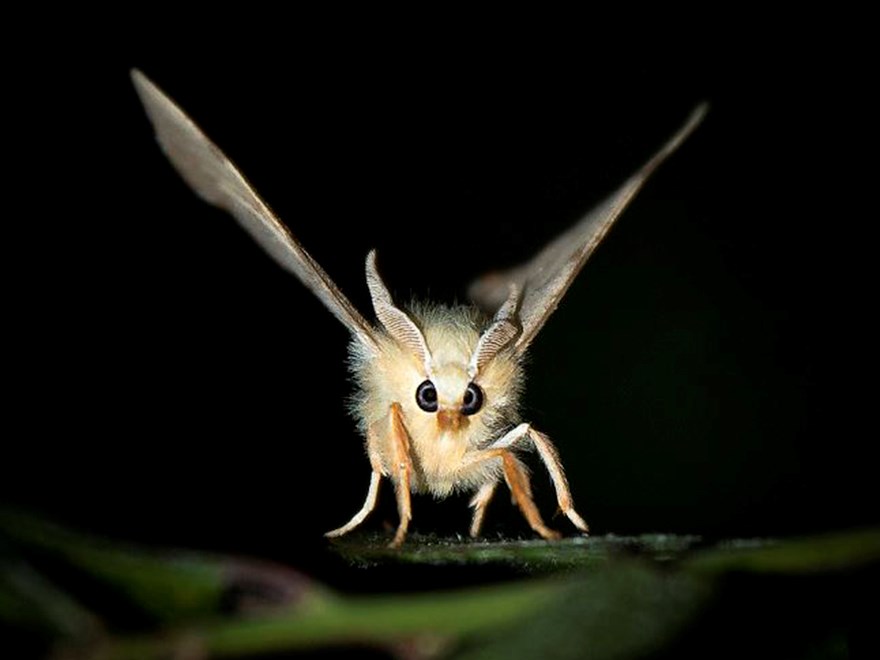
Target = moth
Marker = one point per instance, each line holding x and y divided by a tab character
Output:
438	387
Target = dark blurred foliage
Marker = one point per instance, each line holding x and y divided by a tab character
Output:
167	383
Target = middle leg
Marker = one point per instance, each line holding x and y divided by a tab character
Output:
524	434
479	502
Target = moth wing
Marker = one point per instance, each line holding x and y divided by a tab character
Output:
545	278
215	179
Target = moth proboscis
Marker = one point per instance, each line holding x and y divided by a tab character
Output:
438	387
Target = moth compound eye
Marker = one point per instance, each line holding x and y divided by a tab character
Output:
426	396
473	399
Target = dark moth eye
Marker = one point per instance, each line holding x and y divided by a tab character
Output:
473	399
426	396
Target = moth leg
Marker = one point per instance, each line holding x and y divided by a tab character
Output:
372	493
518	481
360	516
550	457
524	434
401	471
479	502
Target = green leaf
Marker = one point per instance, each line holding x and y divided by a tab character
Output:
623	612
828	553
531	556
613	597
168	585
28	600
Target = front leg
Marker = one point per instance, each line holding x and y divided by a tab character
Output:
518	481
517	478
524	434
401	467
399	471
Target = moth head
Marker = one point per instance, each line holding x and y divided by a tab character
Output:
487	385
447	374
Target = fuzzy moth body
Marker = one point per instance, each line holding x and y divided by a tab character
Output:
438	388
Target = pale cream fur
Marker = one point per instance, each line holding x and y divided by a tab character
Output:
393	373
444	450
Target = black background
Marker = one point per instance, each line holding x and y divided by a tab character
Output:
168	383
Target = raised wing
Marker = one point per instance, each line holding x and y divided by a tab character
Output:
546	277
215	179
